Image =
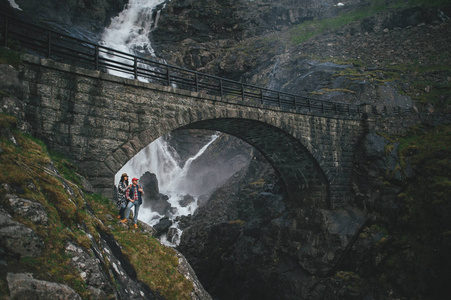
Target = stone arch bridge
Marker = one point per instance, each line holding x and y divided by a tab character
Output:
101	121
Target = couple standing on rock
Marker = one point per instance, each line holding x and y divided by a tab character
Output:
129	196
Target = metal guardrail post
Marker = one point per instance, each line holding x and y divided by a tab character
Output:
96	58
196	81
181	74
49	43
5	34
135	67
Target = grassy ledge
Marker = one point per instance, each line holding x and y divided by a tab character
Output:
26	168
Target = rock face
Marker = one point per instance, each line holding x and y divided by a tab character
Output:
81	18
24	286
18	240
270	57
192	33
248	243
223	158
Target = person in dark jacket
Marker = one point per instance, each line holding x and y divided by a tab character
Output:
121	198
134	195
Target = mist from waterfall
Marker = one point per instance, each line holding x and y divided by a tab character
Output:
162	160
129	32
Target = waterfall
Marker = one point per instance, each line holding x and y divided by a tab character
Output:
129	31
162	160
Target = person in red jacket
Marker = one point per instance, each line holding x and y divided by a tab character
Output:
134	196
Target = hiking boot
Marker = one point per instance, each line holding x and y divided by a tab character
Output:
136	226
123	221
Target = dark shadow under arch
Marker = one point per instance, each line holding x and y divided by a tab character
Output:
302	177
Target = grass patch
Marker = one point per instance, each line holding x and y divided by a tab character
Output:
10	56
155	264
24	161
65	167
309	29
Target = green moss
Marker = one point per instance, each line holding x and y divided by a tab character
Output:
422	222
65	167
7	121
23	163
9	56
309	29
237	222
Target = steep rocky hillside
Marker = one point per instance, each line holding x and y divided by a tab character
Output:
81	18
393	241
375	52
60	241
260	247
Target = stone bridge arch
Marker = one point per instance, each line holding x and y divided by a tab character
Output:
300	174
302	178
101	121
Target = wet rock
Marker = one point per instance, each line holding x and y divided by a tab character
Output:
24	286
187	200
160	205
28	209
162	226
149	182
90	271
172	235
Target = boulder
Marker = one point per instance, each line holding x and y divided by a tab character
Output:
28	209
17	240
24	287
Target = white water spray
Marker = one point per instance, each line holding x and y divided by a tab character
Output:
129	31
162	160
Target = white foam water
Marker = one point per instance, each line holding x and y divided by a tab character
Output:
129	32
162	160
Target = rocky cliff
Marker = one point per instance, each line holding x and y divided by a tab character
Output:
80	18
250	244
58	241
247	242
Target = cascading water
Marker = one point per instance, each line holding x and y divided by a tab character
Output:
129	31
161	159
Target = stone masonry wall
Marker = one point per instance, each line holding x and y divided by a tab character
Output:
101	121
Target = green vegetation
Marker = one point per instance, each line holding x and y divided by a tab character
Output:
309	29
155	264
24	163
429	151
422	233
66	169
9	56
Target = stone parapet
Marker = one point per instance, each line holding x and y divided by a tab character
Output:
101	121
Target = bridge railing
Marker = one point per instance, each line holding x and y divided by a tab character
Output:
48	43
